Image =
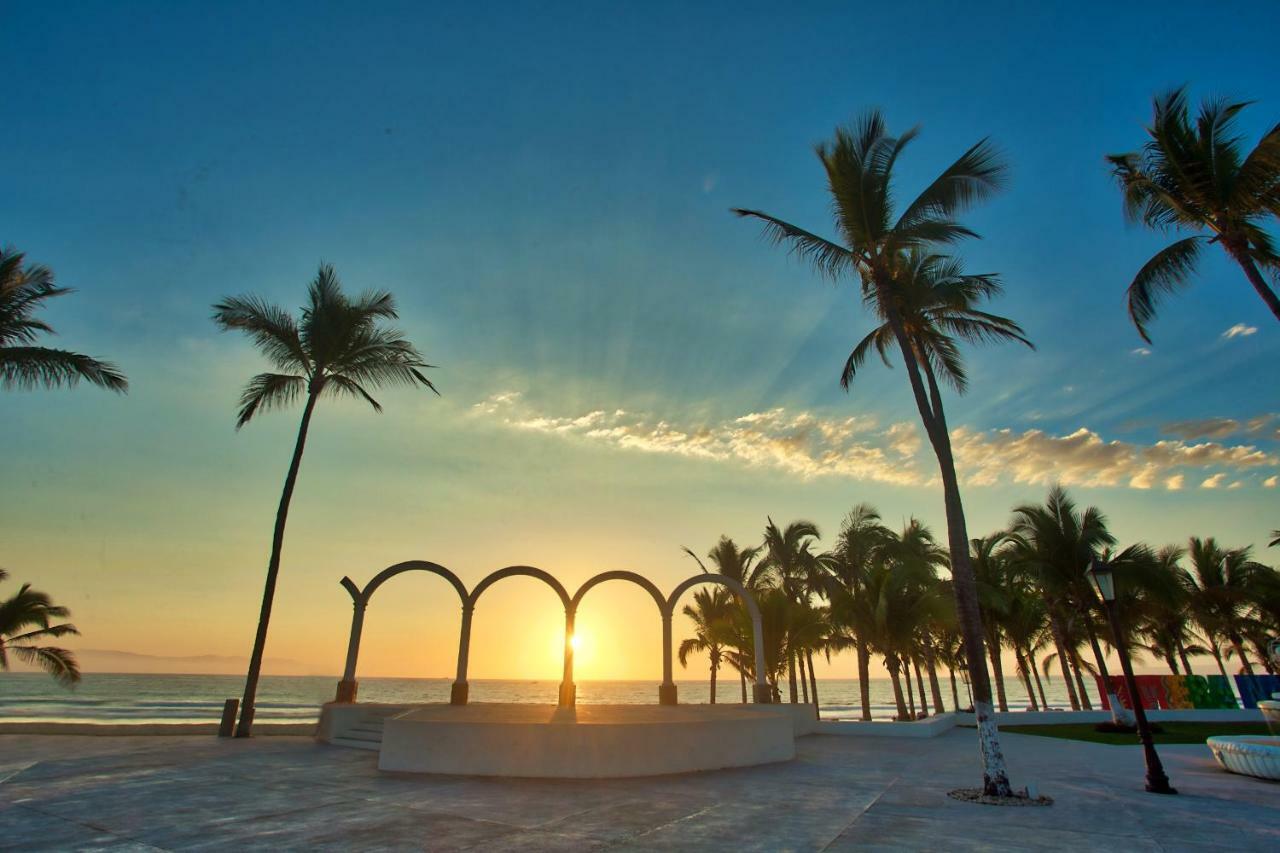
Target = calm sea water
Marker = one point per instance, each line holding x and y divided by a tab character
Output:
107	698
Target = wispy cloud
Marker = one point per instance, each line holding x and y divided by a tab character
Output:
1142	351
808	445
1239	330
1265	426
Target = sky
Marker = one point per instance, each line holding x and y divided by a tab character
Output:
625	368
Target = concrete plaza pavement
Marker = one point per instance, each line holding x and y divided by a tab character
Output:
840	793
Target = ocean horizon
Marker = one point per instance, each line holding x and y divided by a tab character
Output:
181	698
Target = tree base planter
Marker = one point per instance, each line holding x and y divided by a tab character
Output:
1248	755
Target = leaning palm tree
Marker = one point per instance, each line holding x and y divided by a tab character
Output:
338	348
859	165
23	291
26	620
1197	177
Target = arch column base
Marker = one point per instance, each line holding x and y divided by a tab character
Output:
568	694
458	693
761	694
346	691
668	694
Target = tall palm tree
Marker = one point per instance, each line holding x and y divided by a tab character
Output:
1197	177
859	164
26	620
338	347
23	291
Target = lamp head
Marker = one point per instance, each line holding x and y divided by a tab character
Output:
1102	579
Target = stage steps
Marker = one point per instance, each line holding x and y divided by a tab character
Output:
366	731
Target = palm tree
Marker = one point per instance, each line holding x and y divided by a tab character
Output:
860	545
26	619
710	611
1057	542
993	571
1222	580
337	348
740	564
921	321
1198	178
789	554
23	291
1275	539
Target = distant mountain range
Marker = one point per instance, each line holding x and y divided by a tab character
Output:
116	660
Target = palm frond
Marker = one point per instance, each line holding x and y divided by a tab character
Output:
268	391
30	367
1166	272
828	259
60	663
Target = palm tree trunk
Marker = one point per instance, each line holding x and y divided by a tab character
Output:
1264	657
1217	655
892	666
1031	657
813	685
791	676
245	726
924	703
1119	714
1056	628
936	691
911	696
804	678
995	776
997	667
955	694
864	685
1076	668
1241	256
1025	676
715	665
1238	645
1182	654
1171	663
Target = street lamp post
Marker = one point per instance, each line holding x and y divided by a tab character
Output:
1100	575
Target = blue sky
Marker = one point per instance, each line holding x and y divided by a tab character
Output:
546	189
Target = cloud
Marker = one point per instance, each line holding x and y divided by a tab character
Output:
1239	330
1266	425
1214	481
1142	351
1271	482
808	446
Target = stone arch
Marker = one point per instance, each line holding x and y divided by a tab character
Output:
667	692
640	581
568	691
526	571
347	688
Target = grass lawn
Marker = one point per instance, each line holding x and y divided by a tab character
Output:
1173	732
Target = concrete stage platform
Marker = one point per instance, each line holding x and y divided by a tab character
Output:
584	742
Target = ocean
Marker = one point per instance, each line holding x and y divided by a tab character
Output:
130	698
